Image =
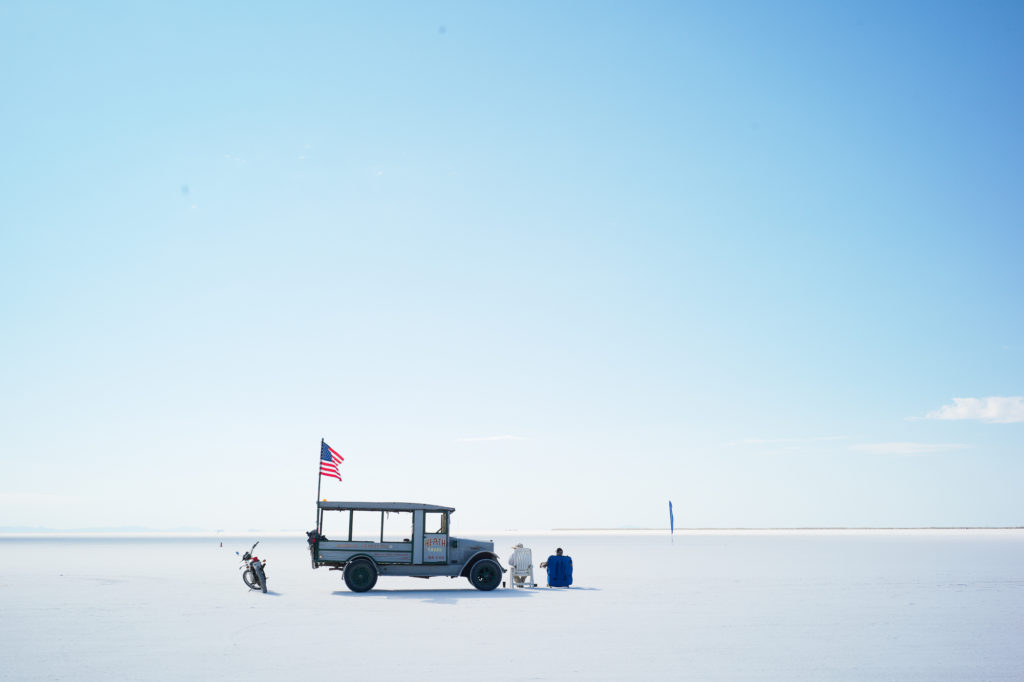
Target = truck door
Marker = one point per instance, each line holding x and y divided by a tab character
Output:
435	537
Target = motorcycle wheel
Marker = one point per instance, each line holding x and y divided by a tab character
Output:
250	580
262	577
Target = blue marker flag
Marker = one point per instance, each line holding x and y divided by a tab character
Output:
671	519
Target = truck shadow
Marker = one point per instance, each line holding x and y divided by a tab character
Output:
437	596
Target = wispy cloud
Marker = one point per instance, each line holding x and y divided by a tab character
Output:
992	410
907	448
38	499
487	438
785	441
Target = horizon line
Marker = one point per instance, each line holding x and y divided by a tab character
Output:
10	533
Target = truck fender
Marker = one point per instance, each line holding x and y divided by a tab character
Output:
477	557
364	556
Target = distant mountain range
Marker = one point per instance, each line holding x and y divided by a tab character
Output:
139	529
105	529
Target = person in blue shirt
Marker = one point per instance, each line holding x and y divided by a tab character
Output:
559	569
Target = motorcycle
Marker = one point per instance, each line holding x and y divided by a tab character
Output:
255	576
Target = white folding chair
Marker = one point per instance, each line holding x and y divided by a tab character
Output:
520	567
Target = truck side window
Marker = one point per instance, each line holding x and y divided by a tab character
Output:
366	526
435	522
397	526
335	525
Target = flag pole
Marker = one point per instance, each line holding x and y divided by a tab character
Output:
319	478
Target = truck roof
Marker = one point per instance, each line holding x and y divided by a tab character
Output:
383	506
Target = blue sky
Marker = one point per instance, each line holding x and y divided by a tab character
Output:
551	264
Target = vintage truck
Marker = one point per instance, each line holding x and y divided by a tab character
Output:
368	539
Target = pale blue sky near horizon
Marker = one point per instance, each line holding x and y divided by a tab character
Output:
550	264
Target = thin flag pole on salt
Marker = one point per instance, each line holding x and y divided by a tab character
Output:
671	520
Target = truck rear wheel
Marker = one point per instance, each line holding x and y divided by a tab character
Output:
360	575
485	574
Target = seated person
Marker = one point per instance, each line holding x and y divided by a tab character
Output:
521	560
559	569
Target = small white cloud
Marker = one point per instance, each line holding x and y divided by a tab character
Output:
907	448
487	438
992	410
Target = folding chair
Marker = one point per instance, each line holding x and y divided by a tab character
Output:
520	567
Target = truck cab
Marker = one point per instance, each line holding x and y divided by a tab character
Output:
365	540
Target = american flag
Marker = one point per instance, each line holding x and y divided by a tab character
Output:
329	461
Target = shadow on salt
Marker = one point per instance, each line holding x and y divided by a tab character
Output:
437	596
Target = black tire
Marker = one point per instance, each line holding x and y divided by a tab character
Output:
360	575
485	574
250	580
262	577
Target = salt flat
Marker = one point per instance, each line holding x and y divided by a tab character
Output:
798	605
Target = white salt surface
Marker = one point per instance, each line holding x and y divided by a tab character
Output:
885	605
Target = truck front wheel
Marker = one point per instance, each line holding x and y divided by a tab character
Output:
485	574
360	575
